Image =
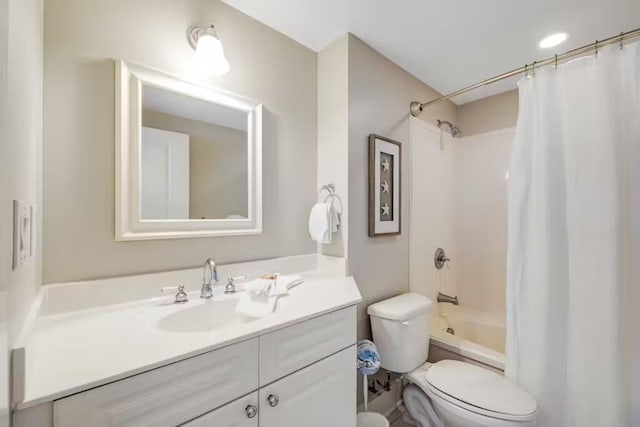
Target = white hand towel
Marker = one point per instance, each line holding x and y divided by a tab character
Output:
256	305
320	223
334	218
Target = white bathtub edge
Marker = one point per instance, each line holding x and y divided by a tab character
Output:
468	349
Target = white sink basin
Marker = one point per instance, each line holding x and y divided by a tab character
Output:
206	316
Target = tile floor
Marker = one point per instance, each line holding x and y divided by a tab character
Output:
400	423
397	421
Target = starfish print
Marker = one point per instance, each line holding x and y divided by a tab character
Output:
385	209
385	165
385	187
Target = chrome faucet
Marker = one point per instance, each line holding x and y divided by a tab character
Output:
446	298
207	291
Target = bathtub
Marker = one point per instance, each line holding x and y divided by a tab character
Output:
477	338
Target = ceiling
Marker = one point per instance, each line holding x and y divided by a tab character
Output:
449	44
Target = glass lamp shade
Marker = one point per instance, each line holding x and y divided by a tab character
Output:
209	55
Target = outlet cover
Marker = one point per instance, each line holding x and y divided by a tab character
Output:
22	223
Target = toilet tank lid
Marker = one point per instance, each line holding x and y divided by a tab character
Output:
402	307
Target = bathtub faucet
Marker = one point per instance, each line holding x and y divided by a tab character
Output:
446	298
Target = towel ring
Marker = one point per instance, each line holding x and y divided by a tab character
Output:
331	188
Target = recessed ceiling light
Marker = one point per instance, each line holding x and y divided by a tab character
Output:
553	40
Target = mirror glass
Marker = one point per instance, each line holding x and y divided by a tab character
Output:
194	158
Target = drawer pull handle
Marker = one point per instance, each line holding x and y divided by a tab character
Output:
273	400
251	411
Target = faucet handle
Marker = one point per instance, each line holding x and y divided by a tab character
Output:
231	284
231	287
440	259
181	295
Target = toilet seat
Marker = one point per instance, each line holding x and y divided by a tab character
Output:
436	394
475	390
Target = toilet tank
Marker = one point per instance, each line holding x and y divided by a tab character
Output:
400	327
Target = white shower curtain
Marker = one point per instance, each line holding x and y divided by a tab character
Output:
574	234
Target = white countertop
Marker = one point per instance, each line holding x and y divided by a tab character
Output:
74	351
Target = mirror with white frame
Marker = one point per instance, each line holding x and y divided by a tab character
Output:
188	158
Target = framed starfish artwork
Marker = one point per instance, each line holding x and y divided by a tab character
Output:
384	186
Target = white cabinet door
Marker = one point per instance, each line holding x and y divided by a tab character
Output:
288	350
166	396
240	413
320	395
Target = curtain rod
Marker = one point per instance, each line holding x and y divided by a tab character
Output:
417	107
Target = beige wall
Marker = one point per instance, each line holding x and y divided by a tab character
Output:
5	176
21	50
218	179
20	157
80	38
487	114
333	133
5	219
379	96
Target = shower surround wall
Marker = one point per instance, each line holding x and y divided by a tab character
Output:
459	203
480	218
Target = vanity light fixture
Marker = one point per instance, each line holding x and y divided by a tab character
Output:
209	52
553	40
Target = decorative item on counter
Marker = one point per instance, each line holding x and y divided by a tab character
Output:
262	294
384	186
272	280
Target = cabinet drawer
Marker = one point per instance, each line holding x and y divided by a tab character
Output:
320	395
166	396
287	350
234	414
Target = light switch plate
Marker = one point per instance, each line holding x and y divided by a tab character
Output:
22	227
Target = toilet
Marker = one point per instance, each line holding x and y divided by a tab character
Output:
447	393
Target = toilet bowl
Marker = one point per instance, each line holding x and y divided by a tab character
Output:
447	393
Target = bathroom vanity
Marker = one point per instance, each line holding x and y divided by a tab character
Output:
154	363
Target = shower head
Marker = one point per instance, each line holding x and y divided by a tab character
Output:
455	130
